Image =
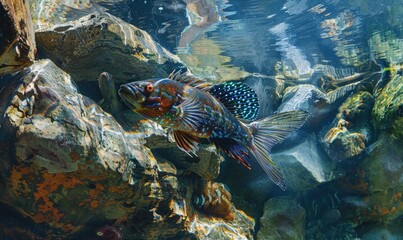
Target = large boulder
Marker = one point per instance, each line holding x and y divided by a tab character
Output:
70	156
17	48
283	219
101	42
305	165
69	169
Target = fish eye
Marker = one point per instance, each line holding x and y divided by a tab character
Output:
149	87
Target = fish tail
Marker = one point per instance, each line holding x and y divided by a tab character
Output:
269	132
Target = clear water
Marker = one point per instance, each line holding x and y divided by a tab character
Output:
257	34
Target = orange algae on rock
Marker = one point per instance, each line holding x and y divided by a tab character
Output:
397	197
356	183
18	179
116	189
74	155
384	211
93	193
52	182
94	204
60	198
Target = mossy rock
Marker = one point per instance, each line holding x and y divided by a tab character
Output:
384	173
388	110
283	218
357	107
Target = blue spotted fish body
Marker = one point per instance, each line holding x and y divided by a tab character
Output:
194	109
212	119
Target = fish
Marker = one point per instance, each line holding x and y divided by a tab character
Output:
224	114
110	102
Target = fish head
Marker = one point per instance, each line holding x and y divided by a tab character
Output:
106	80
150	97
106	84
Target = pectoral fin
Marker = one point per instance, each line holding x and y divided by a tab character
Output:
186	142
191	112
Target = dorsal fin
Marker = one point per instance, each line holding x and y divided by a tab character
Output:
238	98
190	80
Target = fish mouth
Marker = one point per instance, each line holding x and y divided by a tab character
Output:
131	95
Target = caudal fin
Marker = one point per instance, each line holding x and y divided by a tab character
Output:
267	133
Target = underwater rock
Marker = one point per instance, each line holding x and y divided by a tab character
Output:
384	172
209	228
17	48
214	198
69	155
357	108
70	168
356	113
342	231
283	219
340	144
308	98
327	77
390	231
100	42
375	186
325	208
206	164
347	136
388	109
249	188
305	165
